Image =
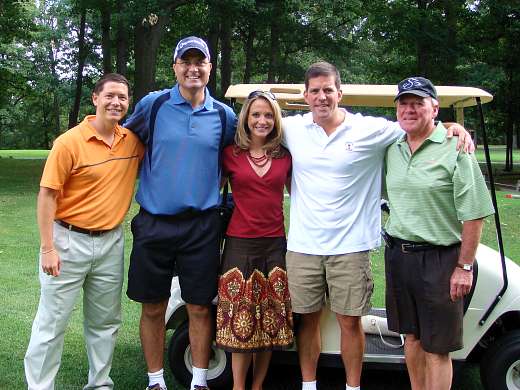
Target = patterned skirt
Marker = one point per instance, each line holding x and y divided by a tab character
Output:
254	306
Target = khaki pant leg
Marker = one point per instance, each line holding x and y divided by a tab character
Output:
102	307
57	298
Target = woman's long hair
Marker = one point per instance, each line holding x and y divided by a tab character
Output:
272	146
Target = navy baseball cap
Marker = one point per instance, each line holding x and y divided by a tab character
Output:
188	43
418	86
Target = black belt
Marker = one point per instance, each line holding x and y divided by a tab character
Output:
92	233
410	246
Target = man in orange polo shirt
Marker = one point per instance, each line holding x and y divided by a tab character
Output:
85	192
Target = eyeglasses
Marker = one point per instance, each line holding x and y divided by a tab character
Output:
197	64
258	92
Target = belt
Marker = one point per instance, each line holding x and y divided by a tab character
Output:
410	246
92	233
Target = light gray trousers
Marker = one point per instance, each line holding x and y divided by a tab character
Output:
96	265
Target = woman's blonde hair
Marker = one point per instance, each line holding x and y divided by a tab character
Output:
272	146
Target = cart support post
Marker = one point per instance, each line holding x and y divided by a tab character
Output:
497	218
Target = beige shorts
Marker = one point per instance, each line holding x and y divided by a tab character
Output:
348	278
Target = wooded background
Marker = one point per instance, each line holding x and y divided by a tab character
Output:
52	51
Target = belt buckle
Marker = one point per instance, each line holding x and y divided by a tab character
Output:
403	248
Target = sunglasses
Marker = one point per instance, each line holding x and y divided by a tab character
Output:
256	93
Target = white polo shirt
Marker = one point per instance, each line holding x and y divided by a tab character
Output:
336	183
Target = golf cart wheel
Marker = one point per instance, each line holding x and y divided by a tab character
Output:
500	368
179	358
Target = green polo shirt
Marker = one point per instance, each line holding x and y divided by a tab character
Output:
433	190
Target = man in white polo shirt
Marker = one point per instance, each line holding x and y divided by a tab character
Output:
335	217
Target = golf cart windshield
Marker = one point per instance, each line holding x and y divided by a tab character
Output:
290	96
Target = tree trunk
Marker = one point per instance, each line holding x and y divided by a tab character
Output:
55	95
274	51
517	130
249	52
147	38
213	35
421	44
46	124
225	66
82	54
509	120
122	41
106	43
451	52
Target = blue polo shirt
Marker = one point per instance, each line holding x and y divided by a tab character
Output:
180	170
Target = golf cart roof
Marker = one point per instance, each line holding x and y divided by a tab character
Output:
290	96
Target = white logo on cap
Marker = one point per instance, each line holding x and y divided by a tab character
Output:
182	44
411	83
197	42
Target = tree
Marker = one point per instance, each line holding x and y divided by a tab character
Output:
51	55
106	42
82	55
497	32
149	29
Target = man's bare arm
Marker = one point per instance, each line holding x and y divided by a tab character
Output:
46	211
461	280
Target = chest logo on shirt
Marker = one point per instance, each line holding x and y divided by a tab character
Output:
349	146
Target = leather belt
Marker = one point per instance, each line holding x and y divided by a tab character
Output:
409	246
92	233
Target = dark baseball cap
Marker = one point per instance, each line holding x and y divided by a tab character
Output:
188	43
418	86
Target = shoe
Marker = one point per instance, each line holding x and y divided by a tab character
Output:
157	386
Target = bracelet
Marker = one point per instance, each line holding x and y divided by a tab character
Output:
48	251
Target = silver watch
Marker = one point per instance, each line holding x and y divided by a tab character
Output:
466	266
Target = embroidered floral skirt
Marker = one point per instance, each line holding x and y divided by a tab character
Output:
254	306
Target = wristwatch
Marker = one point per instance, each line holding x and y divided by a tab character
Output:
465	266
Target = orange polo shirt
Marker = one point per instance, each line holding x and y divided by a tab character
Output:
95	181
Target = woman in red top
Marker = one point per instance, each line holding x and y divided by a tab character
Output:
254	308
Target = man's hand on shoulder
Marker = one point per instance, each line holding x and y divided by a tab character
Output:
464	140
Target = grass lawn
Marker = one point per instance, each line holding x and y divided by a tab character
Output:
497	153
6	153
20	290
19	287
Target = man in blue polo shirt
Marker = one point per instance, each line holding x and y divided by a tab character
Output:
176	229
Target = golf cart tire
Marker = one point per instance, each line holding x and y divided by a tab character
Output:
500	367
179	358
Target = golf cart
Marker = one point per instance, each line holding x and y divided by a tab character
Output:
492	309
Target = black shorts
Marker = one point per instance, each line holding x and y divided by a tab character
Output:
418	297
186	245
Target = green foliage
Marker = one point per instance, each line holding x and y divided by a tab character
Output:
451	42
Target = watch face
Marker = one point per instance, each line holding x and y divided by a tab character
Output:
467	267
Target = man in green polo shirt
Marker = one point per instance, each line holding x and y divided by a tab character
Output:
438	199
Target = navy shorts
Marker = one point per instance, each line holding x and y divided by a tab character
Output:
186	245
418	297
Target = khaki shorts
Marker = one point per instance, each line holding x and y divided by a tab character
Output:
348	278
